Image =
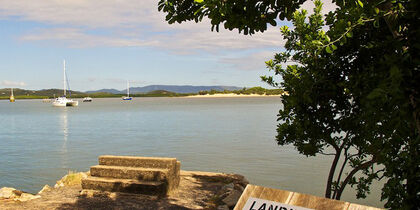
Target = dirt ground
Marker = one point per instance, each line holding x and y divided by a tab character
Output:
197	190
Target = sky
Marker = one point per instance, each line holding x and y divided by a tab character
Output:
107	42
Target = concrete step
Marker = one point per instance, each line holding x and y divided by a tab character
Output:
123	172
124	185
145	162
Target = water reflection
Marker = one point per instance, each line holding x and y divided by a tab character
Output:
65	132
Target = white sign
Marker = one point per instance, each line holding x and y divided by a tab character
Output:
260	204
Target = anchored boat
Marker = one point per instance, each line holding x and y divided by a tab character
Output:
87	99
63	100
12	98
127	98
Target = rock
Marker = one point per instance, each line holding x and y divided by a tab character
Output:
44	189
113	195
7	192
87	193
18	192
59	185
97	193
224	194
228	187
71	179
26	197
223	207
232	198
239	187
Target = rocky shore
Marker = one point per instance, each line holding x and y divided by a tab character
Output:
197	190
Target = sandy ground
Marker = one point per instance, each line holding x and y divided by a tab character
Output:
197	190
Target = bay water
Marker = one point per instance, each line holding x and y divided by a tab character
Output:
40	143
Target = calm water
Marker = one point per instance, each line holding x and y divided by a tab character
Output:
40	143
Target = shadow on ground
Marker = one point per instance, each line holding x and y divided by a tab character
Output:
121	201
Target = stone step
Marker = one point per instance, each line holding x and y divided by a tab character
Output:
124	185
131	161
123	172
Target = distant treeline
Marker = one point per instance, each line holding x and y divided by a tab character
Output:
246	91
52	93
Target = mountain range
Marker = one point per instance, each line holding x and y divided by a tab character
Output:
171	88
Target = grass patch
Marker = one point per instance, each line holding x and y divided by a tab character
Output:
71	179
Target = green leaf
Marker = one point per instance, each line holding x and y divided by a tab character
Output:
328	49
272	22
269	63
360	3
376	24
198	1
349	34
317	42
377	92
334	47
327	38
376	10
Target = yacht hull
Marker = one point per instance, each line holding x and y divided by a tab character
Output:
64	104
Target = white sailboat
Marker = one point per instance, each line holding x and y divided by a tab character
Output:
127	98
63	100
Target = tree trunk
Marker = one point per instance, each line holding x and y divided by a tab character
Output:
351	174
331	174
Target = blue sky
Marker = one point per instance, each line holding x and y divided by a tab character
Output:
106	42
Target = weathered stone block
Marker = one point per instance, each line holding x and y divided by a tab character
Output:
124	185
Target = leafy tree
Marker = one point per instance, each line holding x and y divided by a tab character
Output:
248	16
352	90
320	114
360	98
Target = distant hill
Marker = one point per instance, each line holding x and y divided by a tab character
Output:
44	92
180	88
170	88
152	89
113	91
162	92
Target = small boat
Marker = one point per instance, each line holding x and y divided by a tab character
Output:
63	100
12	97
127	98
87	99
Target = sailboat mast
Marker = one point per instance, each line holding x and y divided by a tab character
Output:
128	88
64	77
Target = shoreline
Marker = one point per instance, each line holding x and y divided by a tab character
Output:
228	95
217	95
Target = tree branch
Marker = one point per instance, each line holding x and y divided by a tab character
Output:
351	174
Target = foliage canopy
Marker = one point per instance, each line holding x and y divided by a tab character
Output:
353	89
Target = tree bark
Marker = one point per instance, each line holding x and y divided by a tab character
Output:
341	170
331	174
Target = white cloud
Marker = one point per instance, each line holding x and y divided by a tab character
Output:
132	23
128	23
76	38
92	13
254	61
12	83
189	42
